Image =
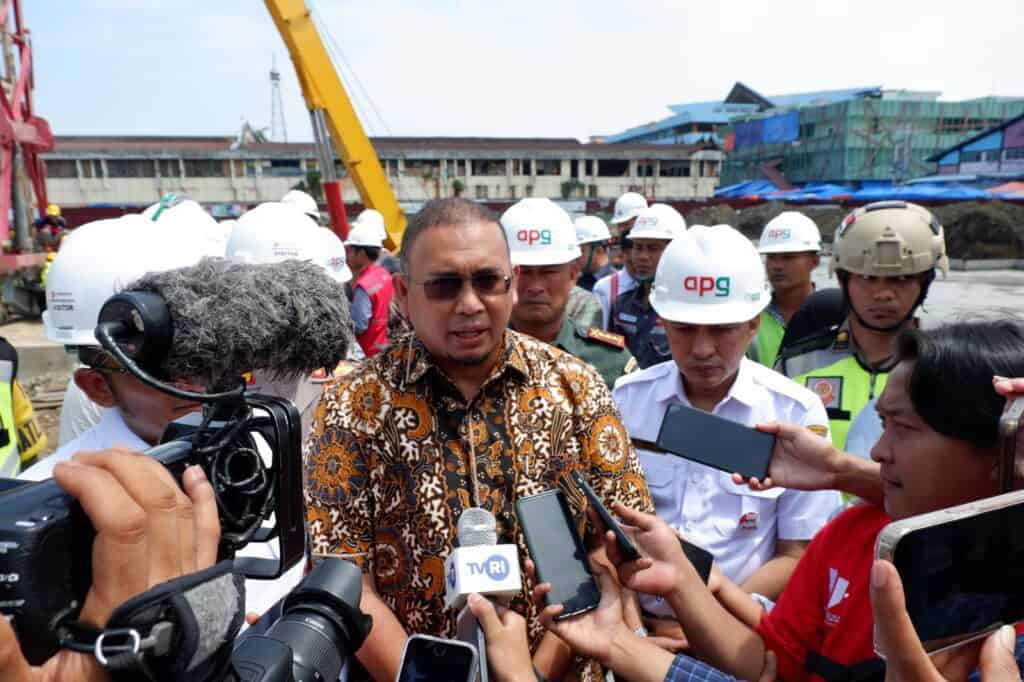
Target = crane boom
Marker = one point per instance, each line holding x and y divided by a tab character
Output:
327	99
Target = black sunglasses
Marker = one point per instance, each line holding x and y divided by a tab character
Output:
448	287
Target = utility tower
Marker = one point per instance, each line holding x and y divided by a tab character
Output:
278	130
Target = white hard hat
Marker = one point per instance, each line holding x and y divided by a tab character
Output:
709	276
590	228
103	258
365	234
372	219
658	222
628	206
539	233
329	253
790	232
303	201
270	233
180	207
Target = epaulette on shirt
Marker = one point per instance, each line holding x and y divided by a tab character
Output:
608	338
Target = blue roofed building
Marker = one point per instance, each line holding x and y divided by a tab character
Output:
989	158
844	136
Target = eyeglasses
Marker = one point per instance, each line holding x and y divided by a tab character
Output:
448	287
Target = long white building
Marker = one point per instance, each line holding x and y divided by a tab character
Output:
136	171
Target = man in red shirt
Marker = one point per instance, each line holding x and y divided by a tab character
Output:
371	288
821	627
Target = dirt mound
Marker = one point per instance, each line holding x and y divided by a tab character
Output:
974	229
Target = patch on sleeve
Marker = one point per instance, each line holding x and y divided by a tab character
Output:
631	366
819	429
608	338
829	389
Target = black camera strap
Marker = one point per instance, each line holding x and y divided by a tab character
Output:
182	629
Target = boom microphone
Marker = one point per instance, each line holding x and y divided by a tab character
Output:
287	319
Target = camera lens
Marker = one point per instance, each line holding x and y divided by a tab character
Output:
314	621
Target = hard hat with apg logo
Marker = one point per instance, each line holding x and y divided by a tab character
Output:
539	233
709	276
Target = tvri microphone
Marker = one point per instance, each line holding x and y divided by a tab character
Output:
479	565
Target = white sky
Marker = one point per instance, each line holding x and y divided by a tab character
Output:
521	68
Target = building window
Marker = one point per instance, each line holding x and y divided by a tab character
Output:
280	168
589	167
483	167
1011	154
480	191
612	168
528	190
239	168
807	131
131	168
204	168
422	168
548	167
645	170
61	168
512	192
675	169
92	168
969	157
592	191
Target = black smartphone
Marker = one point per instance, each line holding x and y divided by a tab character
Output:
719	443
626	546
557	552
701	559
962	568
432	659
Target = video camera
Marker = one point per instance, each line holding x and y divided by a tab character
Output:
248	445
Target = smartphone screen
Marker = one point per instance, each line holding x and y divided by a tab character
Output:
963	577
719	443
430	659
557	551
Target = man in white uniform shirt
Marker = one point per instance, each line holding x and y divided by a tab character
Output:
709	291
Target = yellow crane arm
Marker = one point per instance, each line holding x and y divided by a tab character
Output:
323	90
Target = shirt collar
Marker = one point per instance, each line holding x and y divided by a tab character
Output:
417	360
744	389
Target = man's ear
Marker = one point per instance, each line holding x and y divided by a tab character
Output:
401	288
94	385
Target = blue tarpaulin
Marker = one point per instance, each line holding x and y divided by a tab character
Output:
756	187
920	192
781	128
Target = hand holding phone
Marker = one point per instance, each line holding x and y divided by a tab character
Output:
625	545
962	569
557	552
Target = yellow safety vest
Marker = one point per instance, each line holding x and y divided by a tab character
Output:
9	461
844	387
769	338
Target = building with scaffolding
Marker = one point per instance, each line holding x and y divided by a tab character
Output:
873	135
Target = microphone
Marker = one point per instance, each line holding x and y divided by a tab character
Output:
287	319
479	565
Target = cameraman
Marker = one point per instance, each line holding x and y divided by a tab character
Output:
148	531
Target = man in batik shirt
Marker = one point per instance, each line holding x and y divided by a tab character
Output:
462	412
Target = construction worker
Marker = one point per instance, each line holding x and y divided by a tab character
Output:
885	256
21	439
790	243
593	237
631	313
50	228
374	220
542	243
304	202
371	287
709	292
608	288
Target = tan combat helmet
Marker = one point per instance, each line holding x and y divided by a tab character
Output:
889	239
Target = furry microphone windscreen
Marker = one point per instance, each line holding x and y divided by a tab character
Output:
287	319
